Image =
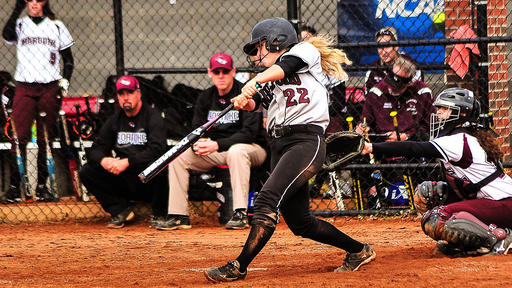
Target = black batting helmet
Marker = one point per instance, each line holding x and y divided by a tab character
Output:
278	32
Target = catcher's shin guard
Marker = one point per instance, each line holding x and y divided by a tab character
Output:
469	233
433	222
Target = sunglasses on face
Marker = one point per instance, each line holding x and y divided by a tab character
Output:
396	81
385	32
223	71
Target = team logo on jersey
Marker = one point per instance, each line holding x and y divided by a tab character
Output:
131	138
131	124
38	40
230	118
266	94
411	105
222	101
290	80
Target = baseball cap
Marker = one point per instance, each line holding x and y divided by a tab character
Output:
221	60
127	82
390	31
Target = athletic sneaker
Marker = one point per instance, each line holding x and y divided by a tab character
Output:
353	261
43	194
226	273
239	220
155	221
453	251
12	195
120	219
504	245
175	222
448	249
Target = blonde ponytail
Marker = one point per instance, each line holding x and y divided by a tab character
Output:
332	58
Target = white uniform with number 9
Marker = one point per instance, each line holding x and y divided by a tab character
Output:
38	49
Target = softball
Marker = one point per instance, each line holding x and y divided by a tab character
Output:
439	17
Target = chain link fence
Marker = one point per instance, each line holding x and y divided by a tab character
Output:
167	45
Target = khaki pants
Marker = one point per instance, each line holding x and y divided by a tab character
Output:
240	158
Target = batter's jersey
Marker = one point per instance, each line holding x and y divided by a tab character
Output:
38	49
300	98
464	158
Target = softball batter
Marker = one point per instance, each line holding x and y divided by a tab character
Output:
41	41
297	105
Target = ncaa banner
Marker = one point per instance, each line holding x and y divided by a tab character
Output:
359	20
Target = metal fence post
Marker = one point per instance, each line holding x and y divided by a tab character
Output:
483	69
118	31
292	7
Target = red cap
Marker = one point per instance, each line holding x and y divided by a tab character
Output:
221	60
127	82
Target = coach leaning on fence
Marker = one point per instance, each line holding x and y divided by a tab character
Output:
137	136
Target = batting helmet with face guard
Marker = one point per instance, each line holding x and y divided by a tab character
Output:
278	33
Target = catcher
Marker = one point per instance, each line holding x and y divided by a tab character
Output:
464	214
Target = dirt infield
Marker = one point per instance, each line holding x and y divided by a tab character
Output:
89	255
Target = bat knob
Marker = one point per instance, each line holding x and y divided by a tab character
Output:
393	113
42	114
62	112
349	119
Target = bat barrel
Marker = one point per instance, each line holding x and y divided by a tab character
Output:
152	170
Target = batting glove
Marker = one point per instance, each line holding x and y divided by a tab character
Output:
64	86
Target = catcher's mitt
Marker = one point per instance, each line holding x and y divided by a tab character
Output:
342	147
430	194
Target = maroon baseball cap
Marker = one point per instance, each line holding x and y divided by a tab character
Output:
221	60
127	82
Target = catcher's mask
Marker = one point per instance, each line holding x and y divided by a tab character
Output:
465	110
342	147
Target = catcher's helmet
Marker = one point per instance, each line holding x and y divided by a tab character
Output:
278	32
465	108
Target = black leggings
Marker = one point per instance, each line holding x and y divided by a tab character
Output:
295	159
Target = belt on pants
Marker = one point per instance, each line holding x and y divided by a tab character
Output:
279	131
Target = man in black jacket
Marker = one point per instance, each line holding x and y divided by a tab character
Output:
236	140
136	135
